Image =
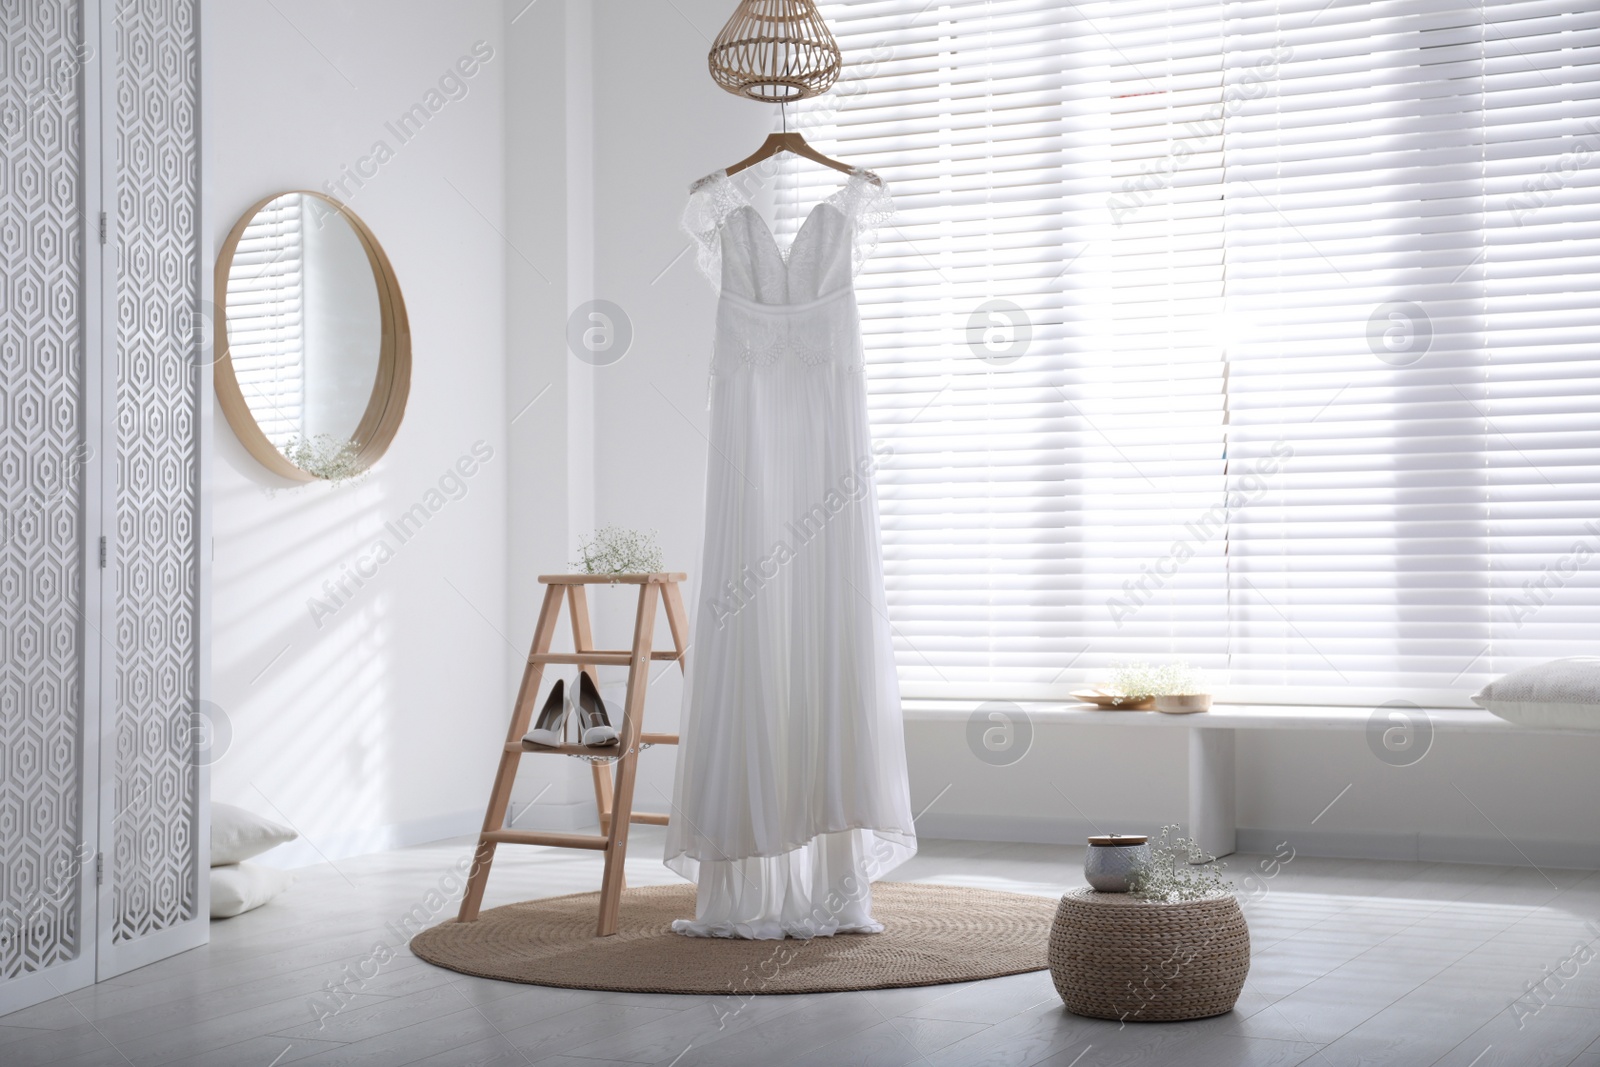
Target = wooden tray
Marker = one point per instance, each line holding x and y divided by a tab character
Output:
1186	704
1108	701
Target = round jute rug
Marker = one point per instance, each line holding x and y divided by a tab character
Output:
933	934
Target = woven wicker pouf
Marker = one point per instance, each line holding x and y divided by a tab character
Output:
1114	956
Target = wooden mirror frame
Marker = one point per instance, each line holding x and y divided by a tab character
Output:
390	387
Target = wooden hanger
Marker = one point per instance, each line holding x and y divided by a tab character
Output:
789	141
793	142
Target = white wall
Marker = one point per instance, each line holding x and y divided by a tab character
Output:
549	270
377	723
612	132
651	418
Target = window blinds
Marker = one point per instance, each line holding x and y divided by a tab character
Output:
1354	204
1539	276
266	318
1255	334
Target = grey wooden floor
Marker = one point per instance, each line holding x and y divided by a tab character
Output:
1355	962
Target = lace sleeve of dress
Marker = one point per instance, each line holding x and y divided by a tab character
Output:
867	204
711	200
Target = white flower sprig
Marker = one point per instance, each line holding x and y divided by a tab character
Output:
327	457
1136	681
1178	871
611	550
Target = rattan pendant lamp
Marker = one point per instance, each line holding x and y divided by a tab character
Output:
775	51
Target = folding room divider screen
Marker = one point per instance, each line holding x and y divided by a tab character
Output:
104	373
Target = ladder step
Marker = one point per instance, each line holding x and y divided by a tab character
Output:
658	578
585	750
543	837
568	749
599	659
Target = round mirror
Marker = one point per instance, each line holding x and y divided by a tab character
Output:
314	348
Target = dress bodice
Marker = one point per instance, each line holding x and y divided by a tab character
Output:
780	310
739	254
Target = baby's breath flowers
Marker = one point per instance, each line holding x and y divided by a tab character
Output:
1178	870
1136	681
611	550
326	457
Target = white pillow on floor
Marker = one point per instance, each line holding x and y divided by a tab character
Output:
1564	693
241	887
237	835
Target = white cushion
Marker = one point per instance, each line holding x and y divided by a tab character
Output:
237	835
241	887
1563	693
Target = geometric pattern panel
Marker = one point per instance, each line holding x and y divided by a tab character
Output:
42	455
155	854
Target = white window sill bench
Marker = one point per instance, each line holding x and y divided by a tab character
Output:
1211	741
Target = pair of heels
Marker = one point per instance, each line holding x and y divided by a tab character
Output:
594	725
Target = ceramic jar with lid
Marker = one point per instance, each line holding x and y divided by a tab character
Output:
1113	859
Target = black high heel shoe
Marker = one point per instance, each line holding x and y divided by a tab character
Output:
551	726
594	725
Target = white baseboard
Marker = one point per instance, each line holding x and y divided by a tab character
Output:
1367	845
360	841
1026	829
1427	848
576	816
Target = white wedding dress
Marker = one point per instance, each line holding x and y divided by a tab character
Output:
791	793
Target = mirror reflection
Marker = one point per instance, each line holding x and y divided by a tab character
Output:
304	324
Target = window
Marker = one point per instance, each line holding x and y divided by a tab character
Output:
1259	334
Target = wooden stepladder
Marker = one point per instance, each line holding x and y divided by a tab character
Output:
613	800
